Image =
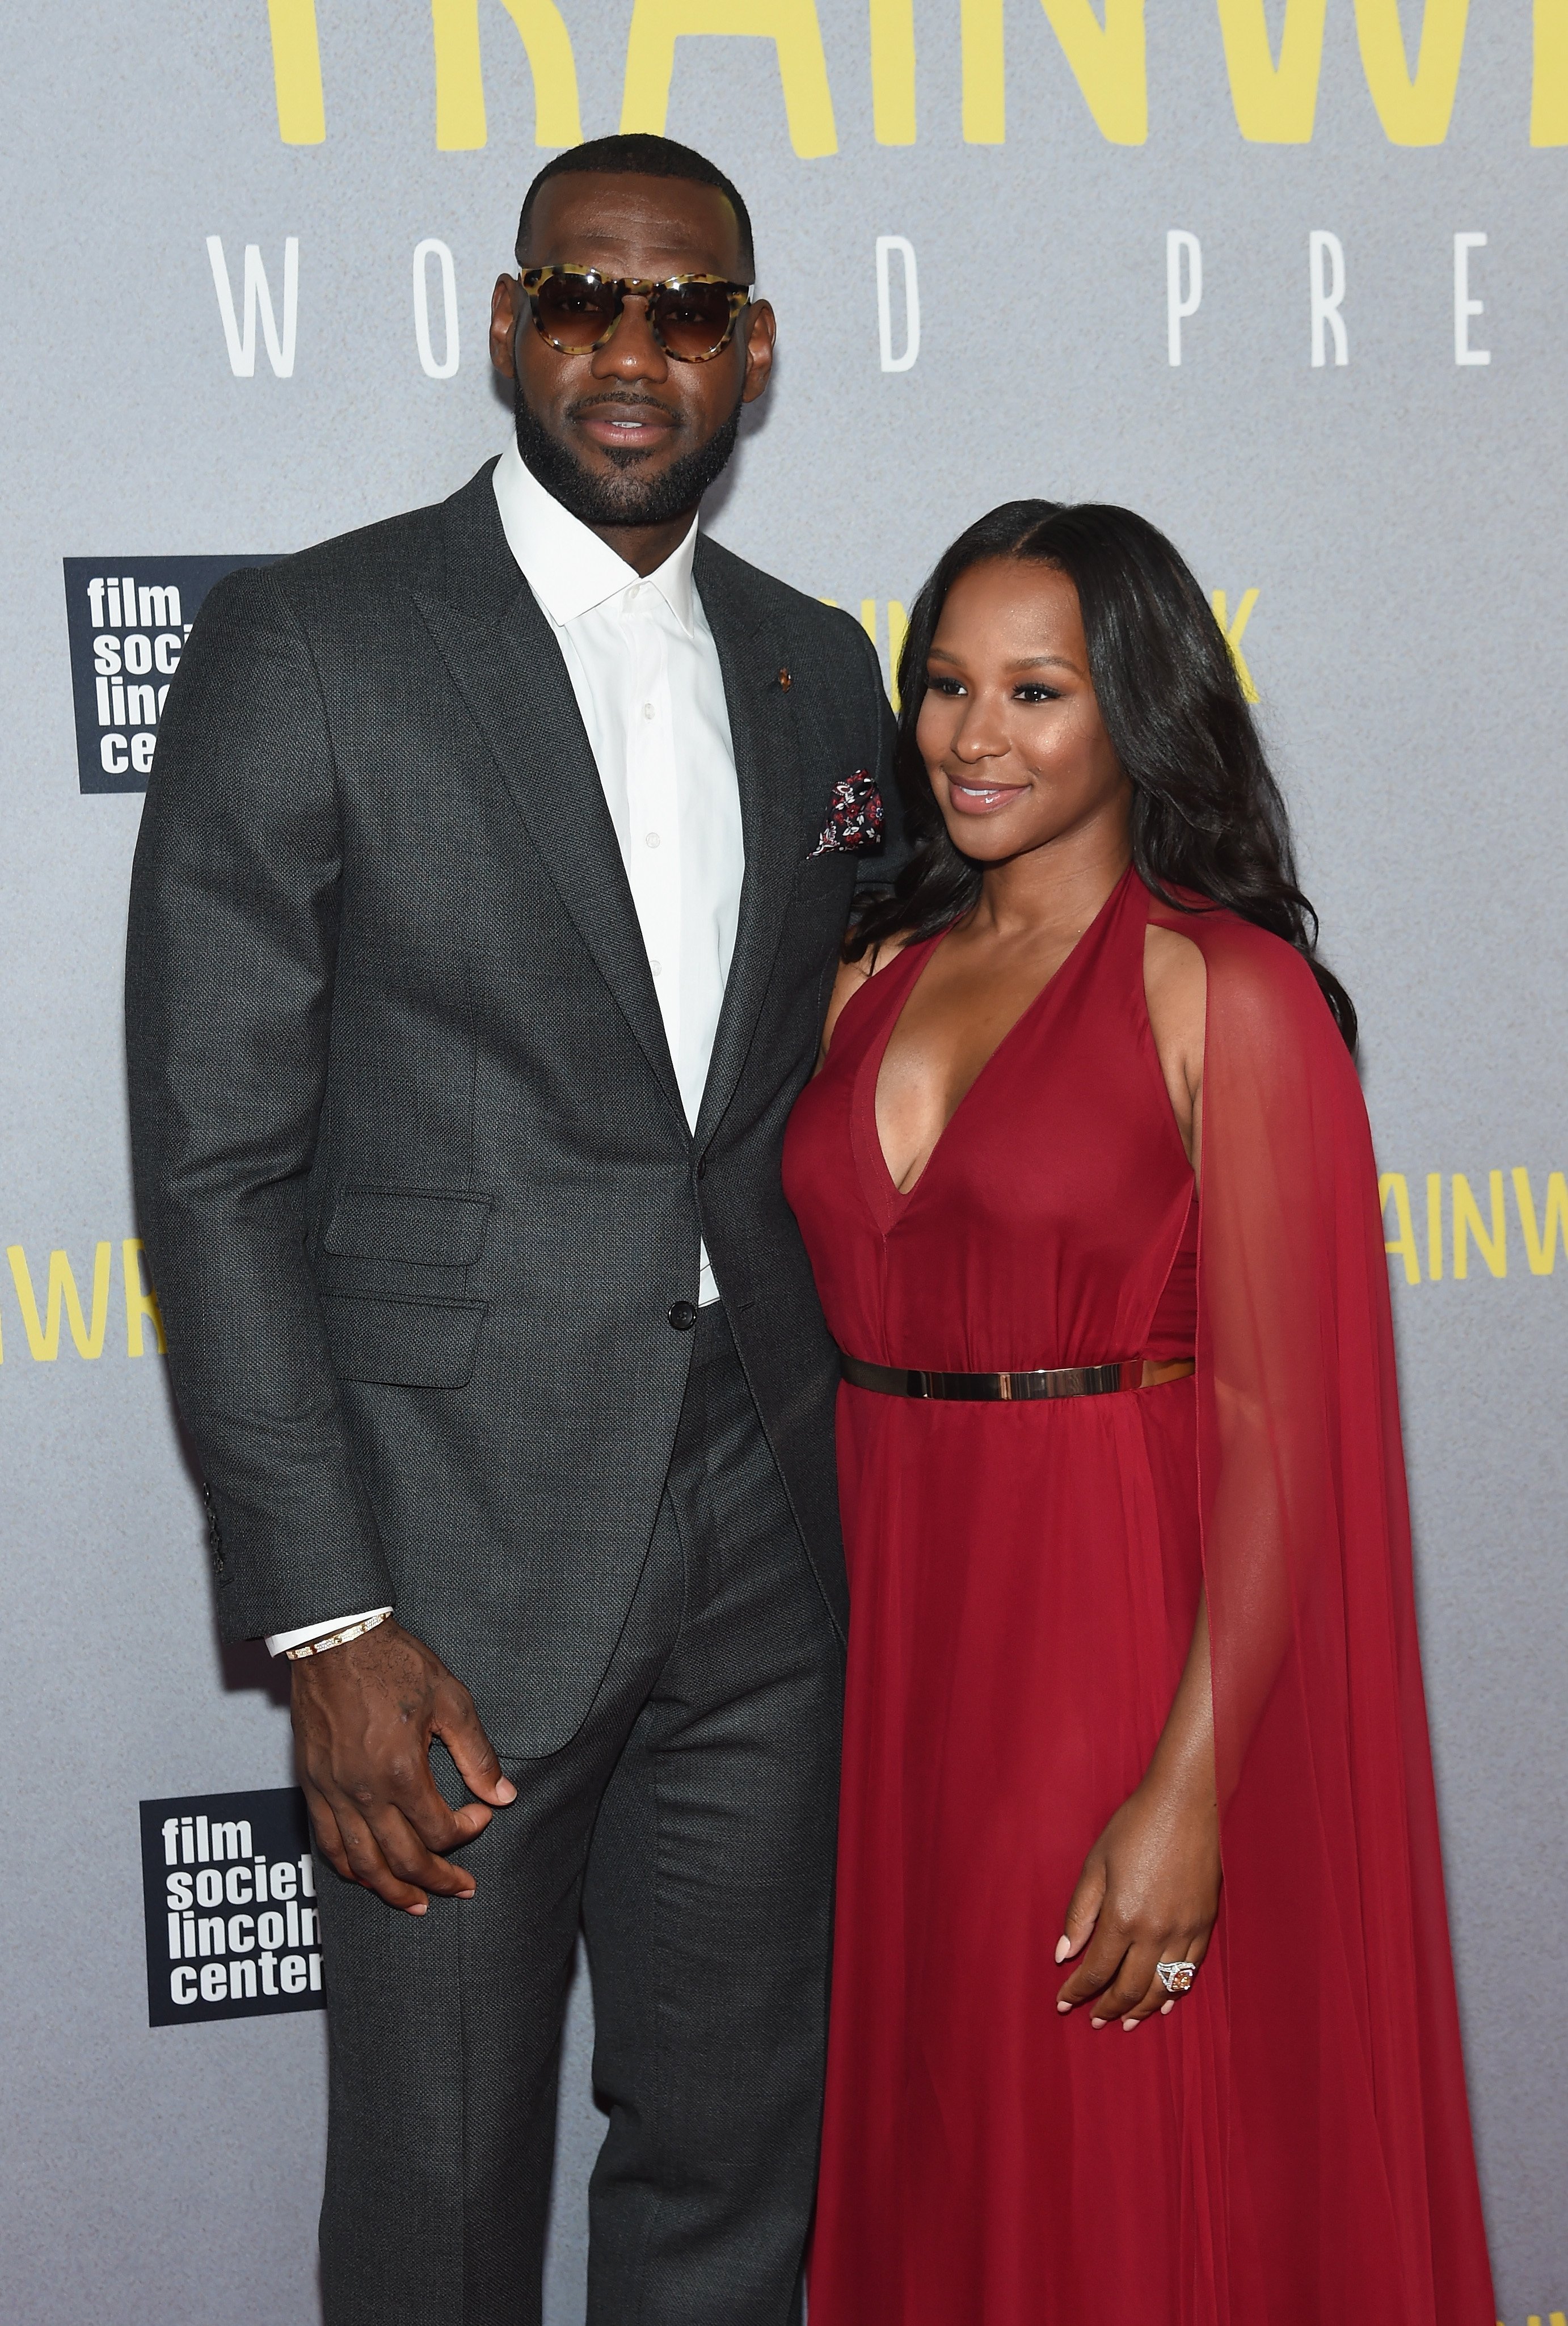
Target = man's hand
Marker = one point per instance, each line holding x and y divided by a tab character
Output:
364	1716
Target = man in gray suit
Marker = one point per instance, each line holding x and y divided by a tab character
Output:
489	890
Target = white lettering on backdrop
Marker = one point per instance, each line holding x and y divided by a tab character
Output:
258	297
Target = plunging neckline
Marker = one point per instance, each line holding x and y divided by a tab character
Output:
872	1068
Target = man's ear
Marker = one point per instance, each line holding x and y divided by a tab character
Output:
505	305
761	332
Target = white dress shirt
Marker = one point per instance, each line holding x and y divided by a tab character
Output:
644	670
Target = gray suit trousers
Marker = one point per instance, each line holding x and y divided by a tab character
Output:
689	1825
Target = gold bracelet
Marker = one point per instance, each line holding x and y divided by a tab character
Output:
336	1639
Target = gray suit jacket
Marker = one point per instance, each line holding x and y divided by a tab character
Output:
417	1187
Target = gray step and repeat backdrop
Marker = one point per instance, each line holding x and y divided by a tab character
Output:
1289	278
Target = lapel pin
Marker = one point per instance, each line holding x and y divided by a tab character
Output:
783	679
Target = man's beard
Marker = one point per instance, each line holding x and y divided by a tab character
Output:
627	497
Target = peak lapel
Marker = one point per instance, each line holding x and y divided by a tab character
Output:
506	665
764	732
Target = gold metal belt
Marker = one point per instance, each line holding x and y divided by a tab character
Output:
1063	1380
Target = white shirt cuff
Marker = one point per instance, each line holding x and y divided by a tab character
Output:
278	1643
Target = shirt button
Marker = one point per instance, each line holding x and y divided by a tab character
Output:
647	711
650	839
682	1315
657	967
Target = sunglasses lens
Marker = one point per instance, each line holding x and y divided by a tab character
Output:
574	314
692	320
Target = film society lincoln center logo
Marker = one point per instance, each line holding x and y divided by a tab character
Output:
228	1888
128	618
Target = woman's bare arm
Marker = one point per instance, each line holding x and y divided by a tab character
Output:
1176	990
1149	1891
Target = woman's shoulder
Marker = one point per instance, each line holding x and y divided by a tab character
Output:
1252	963
854	975
1267	1018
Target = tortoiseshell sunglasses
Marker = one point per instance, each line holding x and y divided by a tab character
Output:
691	316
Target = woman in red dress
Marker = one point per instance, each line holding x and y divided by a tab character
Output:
1143	2008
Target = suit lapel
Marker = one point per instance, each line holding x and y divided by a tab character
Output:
505	663
763	731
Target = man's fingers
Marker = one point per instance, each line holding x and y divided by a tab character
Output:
376	1845
366	1864
477	1761
409	1861
324	1826
409	1787
390	1832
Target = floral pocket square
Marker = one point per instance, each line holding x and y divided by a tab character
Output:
854	816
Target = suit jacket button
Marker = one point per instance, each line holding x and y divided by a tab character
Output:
702	1168
682	1315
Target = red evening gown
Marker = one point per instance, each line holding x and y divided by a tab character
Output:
1290	2145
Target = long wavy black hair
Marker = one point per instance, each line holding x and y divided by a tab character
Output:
1207	814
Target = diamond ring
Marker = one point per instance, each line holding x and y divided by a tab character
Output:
1176	1977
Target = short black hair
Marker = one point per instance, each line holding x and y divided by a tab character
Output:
635	153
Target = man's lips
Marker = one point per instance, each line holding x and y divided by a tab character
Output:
623	427
977	798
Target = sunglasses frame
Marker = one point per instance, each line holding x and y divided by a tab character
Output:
632	286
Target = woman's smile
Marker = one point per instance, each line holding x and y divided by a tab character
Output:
971	797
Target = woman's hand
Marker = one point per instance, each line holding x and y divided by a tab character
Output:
1148	1893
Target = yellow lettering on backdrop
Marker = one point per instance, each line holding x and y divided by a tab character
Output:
1434	1226
892	72
1274	104
1109	63
1235	631
985	80
141	1302
1393	1183
898	631
44	1338
790	24
1468	1223
297	71
1414	112
1540	1247
460	125
1549	83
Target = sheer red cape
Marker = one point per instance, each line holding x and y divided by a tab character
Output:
1349	2127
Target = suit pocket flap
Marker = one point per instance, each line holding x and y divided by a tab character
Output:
407	1343
429	1230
